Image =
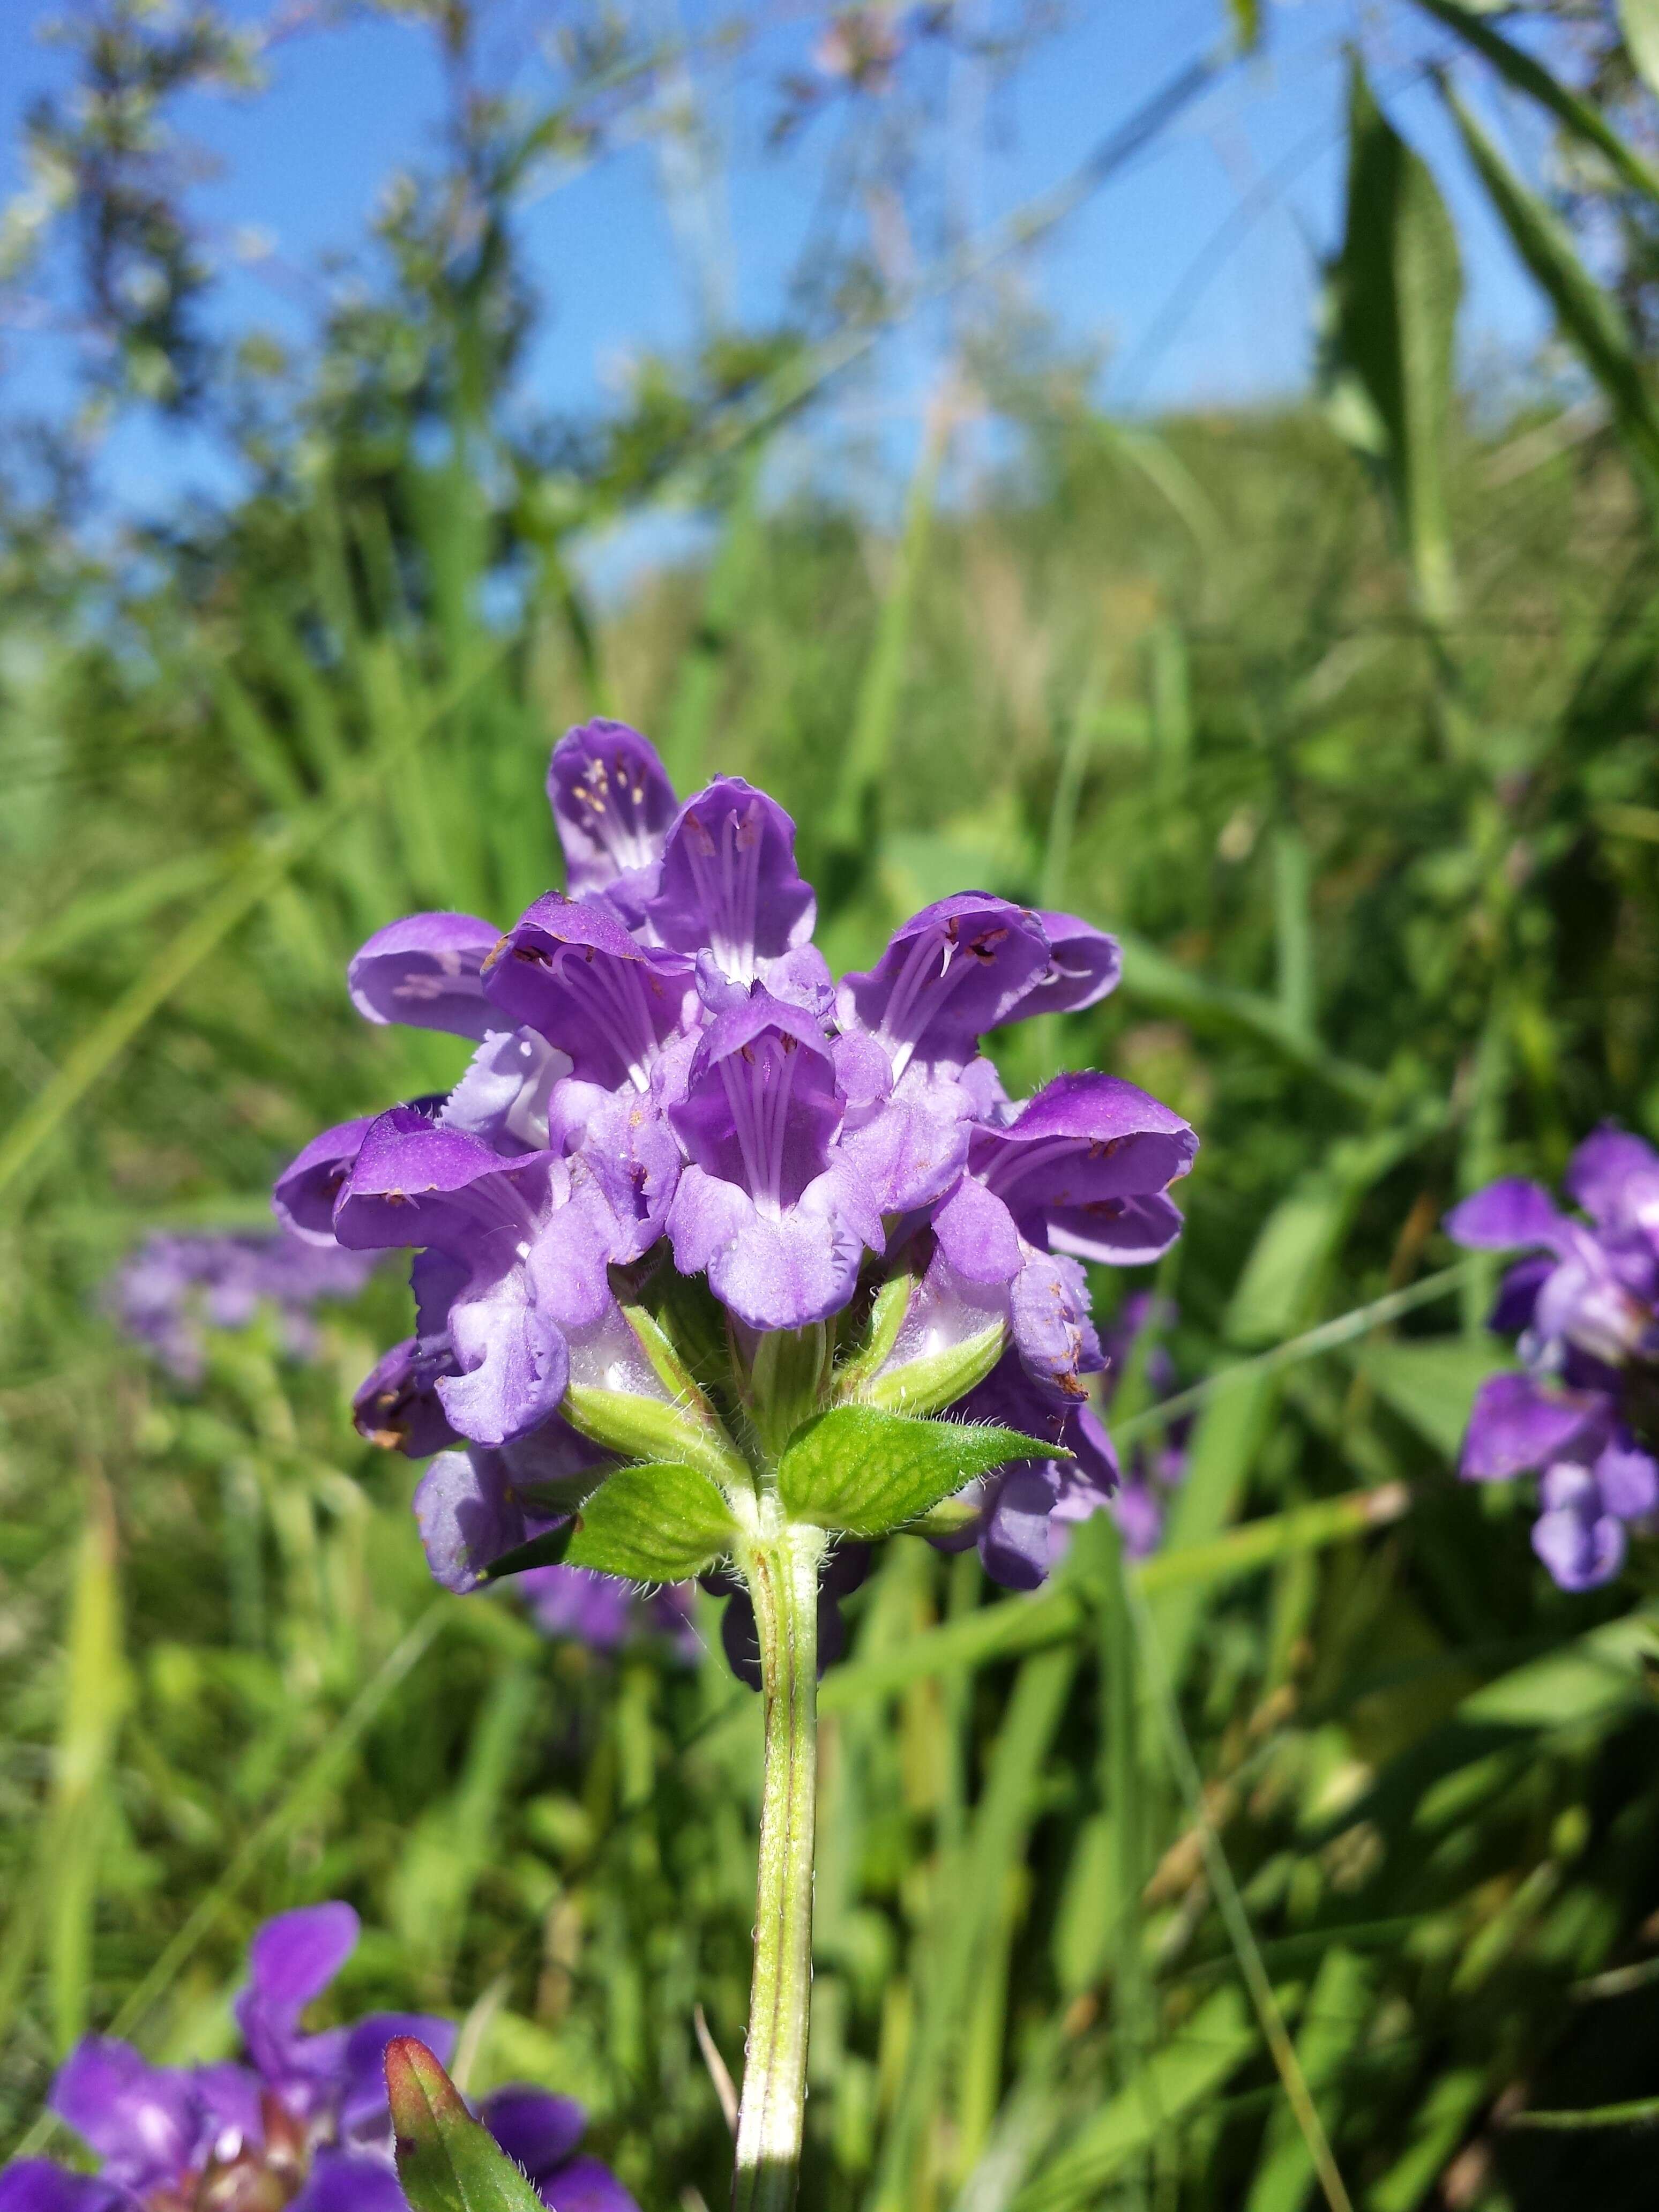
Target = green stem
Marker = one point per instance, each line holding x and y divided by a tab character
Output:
782	1572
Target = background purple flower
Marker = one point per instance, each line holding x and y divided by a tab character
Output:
302	2121
1584	1303
174	1288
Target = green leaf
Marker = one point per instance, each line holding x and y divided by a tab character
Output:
938	1379
1180	2077
1396	286
1432	1386
653	1524
654	1428
446	2161
1589	316
1640	21
864	1472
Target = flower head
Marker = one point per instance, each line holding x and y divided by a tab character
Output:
301	2121
1585	1302
685	1171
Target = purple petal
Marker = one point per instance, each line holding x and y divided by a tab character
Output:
470	1514
1580	1551
585	2185
1514	1427
910	1150
953	972
976	1235
1517	1294
573	972
363	2110
1084	964
612	804
414	1183
729	880
1052	1328
424	970
303	1199
1140	1517
628	1147
1628	1479
397	1406
503	1098
342	2181
228	2097
771	1272
761	1105
1015	1545
1077	1154
589	1608
1119	1232
1505	1215
34	2184
291	1960
1601	1173
513	1359
538	2129
144	2121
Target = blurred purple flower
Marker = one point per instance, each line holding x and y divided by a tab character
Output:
302	2121
174	1288
1585	1302
1153	1470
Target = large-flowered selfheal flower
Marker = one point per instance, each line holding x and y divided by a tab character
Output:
303	2122
572	972
1585	1301
959	968
780	1199
612	804
729	885
1155	1469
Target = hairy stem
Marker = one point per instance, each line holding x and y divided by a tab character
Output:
782	1572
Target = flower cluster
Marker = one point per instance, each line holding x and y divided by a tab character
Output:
680	1141
1585	1302
173	1289
302	2122
1155	1469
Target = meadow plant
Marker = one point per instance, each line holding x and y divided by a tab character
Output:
302	2121
704	1240
1585	1302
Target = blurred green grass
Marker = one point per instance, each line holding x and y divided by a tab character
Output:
1369	787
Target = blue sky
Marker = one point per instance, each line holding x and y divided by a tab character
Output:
1195	268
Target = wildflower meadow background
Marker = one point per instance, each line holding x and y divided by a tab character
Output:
1296	1840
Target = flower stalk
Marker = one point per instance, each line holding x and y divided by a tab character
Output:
782	1575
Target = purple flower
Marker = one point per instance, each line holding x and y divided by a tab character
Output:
668	1083
603	1612
1024	1511
1586	1303
303	2120
612	804
175	1288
